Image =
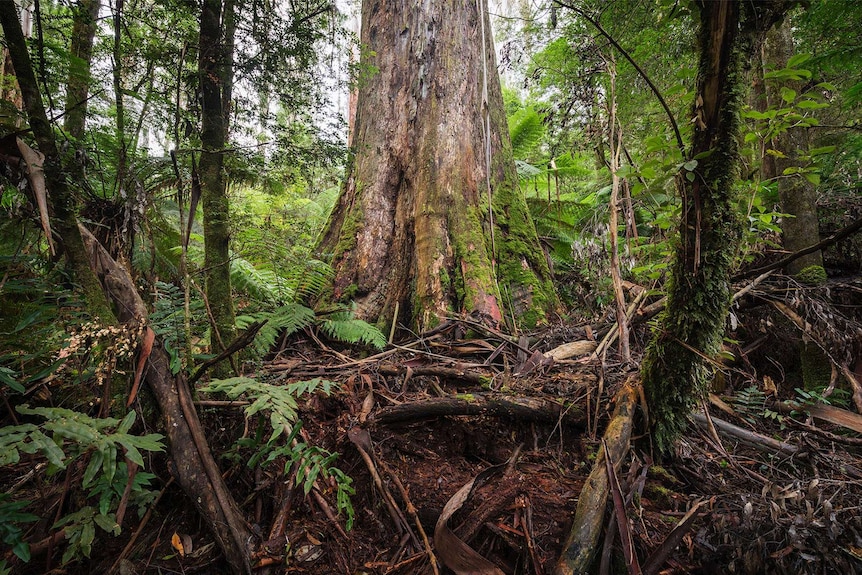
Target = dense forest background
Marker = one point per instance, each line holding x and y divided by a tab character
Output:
180	186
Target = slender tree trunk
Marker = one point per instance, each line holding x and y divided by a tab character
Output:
615	140
798	196
61	198
81	52
214	201
117	71
412	229
692	326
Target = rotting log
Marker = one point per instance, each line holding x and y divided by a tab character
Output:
193	461
521	408
572	349
582	542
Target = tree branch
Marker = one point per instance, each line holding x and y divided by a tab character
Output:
640	71
833	239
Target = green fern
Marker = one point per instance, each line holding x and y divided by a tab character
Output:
281	405
526	130
342	326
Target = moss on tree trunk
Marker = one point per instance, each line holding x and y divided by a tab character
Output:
412	227
214	200
674	369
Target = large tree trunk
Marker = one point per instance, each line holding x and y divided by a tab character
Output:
674	371
412	230
212	60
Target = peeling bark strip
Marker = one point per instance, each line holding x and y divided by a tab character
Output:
206	490
582	542
412	227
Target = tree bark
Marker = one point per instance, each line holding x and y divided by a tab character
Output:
412	229
194	466
798	196
63	202
81	51
213	56
674	368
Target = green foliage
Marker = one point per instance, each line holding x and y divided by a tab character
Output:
80	529
750	403
526	131
341	325
64	436
280	403
78	434
12	514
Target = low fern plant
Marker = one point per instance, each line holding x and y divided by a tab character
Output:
278	405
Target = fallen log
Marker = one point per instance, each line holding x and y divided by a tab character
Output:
194	466
582	542
494	405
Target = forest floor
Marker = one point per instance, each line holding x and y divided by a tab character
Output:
759	484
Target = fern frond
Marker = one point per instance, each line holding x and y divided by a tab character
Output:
260	284
526	130
354	331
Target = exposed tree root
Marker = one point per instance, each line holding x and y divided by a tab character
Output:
582	542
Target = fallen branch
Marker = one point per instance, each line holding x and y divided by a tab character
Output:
750	438
471	377
833	239
239	343
194	466
522	408
582	542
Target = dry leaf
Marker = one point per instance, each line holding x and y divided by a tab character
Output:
177	544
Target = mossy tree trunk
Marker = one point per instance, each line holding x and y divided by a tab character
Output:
798	199
691	328
85	15
412	229
214	59
62	200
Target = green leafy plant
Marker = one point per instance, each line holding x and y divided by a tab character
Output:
80	528
280	403
64	436
12	514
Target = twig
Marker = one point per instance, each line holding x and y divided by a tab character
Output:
144	520
833	239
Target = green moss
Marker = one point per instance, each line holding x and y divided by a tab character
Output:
816	367
812	275
660	494
691	328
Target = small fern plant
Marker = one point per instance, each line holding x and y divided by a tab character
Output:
279	403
